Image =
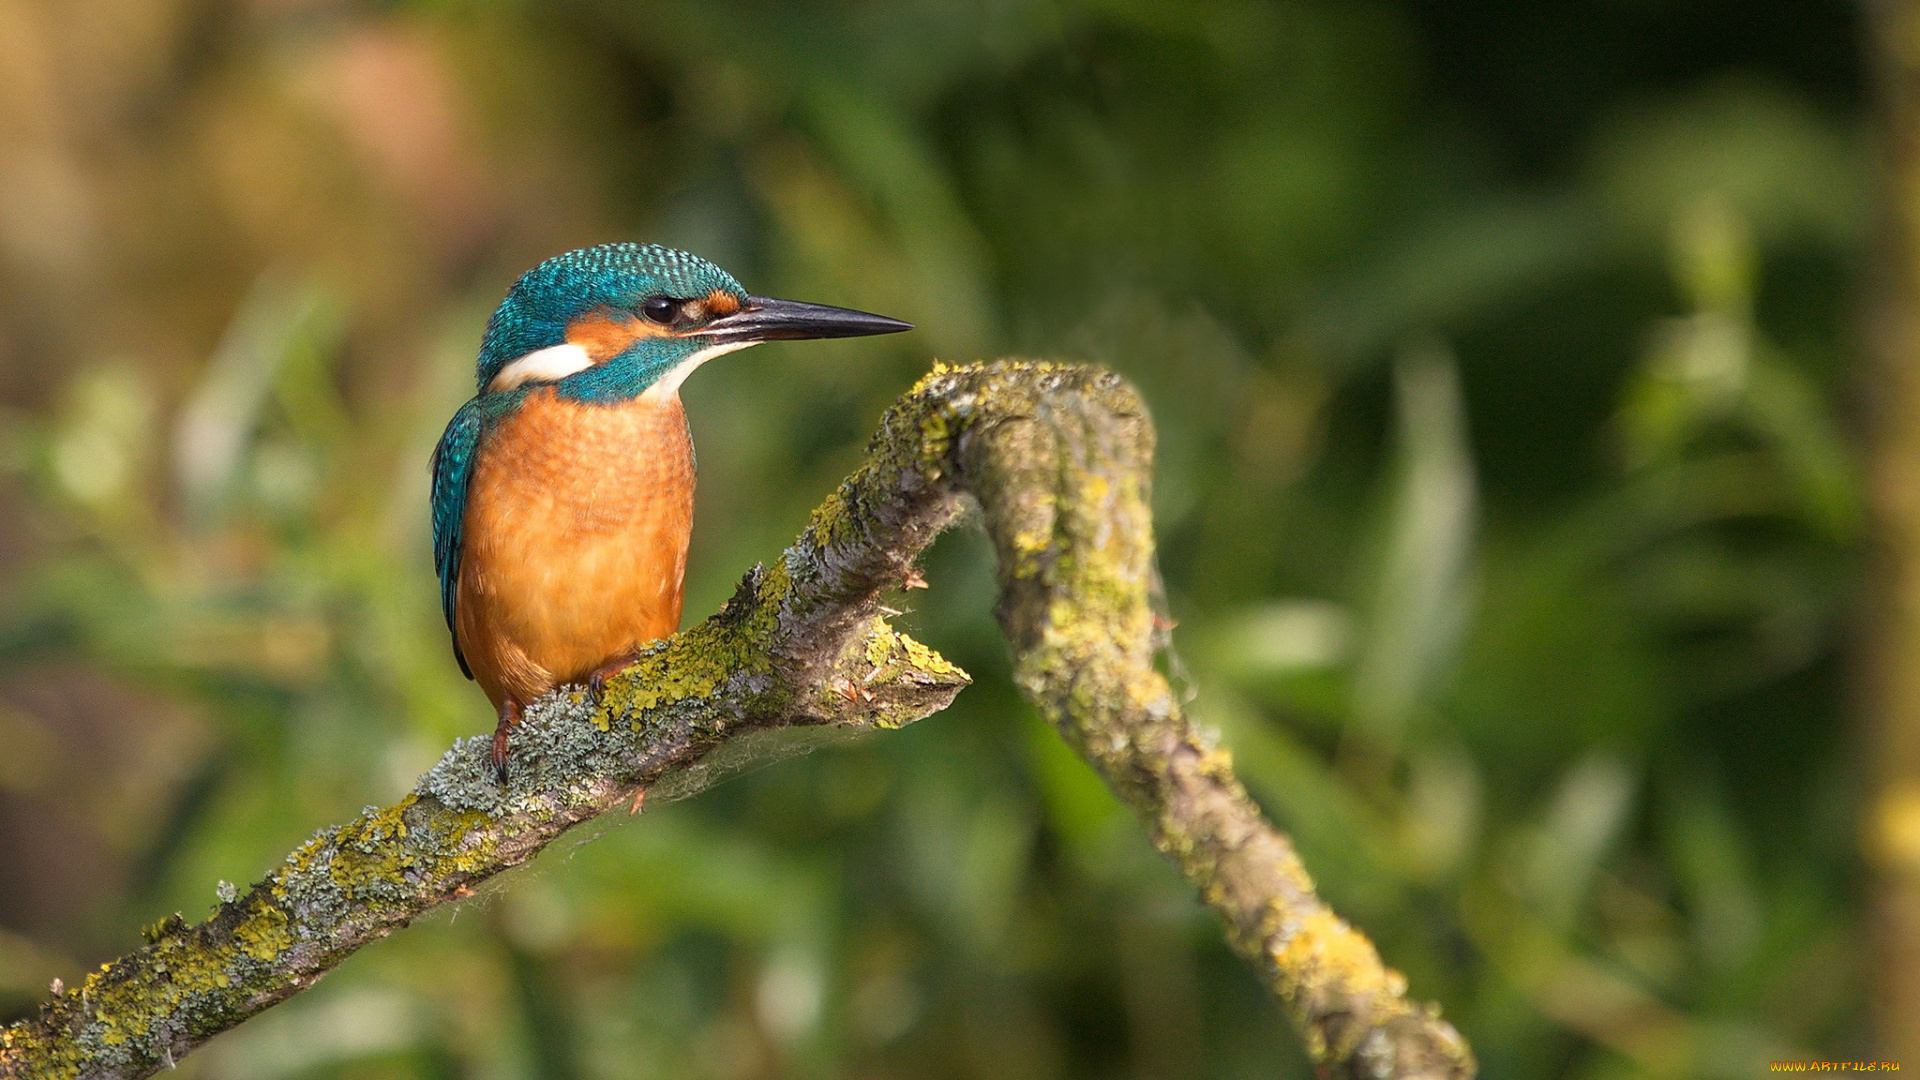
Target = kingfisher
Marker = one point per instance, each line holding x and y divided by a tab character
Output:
563	491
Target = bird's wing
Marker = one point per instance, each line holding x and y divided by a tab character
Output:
452	468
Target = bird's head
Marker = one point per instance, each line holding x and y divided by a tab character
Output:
607	323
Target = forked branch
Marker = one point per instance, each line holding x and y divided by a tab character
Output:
1059	459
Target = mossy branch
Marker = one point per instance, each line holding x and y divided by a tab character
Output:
1059	460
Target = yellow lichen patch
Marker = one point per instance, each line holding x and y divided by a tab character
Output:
265	933
697	670
828	522
367	854
359	874
1028	545
880	646
467	844
888	650
1329	956
1217	762
934	436
170	926
925	385
702	658
924	659
390	822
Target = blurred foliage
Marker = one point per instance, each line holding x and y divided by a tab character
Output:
1495	349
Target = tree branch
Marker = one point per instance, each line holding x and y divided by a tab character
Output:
1059	459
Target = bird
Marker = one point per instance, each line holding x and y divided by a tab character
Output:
562	495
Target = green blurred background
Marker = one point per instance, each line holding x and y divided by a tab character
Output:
1500	352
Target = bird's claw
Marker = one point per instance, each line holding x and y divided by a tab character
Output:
500	754
597	682
509	716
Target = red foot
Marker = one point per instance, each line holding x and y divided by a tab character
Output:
509	716
597	682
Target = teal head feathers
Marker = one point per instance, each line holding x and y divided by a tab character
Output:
607	323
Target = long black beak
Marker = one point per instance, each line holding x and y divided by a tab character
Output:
763	318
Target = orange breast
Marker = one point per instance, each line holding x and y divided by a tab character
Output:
575	540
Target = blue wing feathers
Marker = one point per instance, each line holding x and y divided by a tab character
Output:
452	468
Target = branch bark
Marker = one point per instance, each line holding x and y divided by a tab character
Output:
1059	460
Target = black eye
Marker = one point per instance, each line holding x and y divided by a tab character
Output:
660	309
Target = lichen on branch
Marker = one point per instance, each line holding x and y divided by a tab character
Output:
1059	460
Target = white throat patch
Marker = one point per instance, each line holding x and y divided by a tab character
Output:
669	383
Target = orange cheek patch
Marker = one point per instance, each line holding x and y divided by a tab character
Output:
712	306
605	335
